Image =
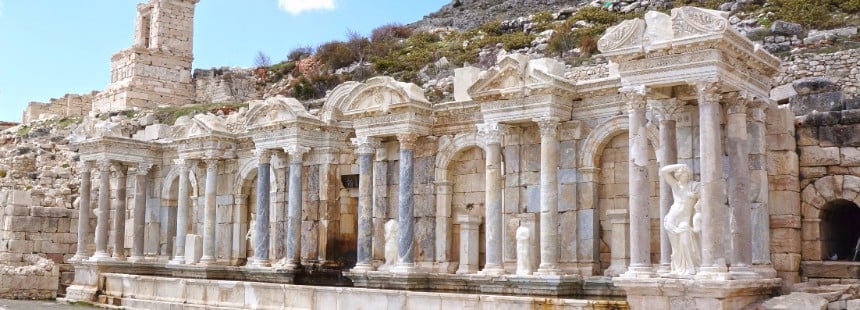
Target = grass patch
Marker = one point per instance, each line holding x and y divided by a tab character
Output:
24	130
68	121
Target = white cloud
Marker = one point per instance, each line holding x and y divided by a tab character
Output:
1	7
296	7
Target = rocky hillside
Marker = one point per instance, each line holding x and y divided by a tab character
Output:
468	14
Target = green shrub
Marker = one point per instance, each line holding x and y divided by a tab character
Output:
300	53
543	21
810	13
850	6
335	55
68	121
3	173
493	28
390	32
24	130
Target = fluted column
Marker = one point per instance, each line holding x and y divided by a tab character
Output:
737	147
366	149
405	244
139	220
103	212
182	211
640	219
119	209
261	224
294	207
711	198
84	209
492	135
548	196
209	211
666	155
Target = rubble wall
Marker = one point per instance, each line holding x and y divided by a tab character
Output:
841	67
70	105
222	85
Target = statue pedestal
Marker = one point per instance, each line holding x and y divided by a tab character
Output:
692	293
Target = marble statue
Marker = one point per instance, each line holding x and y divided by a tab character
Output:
391	233
681	221
524	262
252	225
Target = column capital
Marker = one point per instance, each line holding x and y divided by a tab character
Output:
211	163
365	145
407	140
184	164
735	103
104	164
296	152
264	156
121	168
548	125
708	91
634	96
492	133
143	168
666	109
85	166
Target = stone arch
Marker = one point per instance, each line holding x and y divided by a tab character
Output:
170	199
816	198
449	148
601	135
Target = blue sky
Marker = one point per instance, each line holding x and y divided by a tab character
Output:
52	47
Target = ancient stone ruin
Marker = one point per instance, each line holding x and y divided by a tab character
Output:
672	180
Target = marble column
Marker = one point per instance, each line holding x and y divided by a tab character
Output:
103	211
712	194
737	148
261	223
548	196
184	167
366	149
209	211
640	219
294	207
84	209
760	191
469	246
492	135
120	212
406	221
666	155
141	180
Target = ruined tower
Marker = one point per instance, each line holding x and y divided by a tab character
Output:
156	70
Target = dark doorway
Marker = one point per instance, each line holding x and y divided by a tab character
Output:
840	230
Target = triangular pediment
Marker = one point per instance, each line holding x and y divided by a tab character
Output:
199	125
275	110
515	73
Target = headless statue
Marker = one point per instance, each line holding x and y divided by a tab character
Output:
391	233
524	261
682	223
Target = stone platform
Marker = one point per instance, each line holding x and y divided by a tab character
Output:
149	292
689	293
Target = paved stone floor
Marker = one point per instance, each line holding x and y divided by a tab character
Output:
6	304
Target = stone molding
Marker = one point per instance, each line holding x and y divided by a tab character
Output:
666	109
548	126
492	133
635	97
365	145
407	140
296	152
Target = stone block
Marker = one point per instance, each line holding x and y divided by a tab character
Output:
807	136
463	79
785	221
796	301
818	156
193	248
853	304
19	198
849	156
781	142
533	198
784	203
782	162
785	240
566	197
786	261
785	28
512	200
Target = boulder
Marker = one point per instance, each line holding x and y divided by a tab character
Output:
786	28
796	301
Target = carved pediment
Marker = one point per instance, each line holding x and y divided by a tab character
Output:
380	95
199	125
274	110
692	21
622	37
515	73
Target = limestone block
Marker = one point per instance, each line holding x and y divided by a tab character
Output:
785	240
796	301
533	198
511	158
850	156
853	304
781	142
193	248
566	197
786	261
784	162
19	198
567	230
463	79
818	156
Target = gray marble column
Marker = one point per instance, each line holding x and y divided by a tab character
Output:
548	196
209	212
103	211
120	212
139	220
667	155
261	222
84	210
406	221
492	134
639	184
366	148
712	191
294	207
737	147
760	189
184	167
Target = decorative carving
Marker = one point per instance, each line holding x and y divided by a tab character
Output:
264	156
365	145
691	21
548	126
407	140
634	97
680	222
211	165
735	103
708	91
628	33
85	166
666	109
143	168
297	152
105	165
491	133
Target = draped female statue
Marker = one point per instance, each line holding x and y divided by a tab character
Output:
681	223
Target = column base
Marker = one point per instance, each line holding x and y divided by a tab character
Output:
100	257
547	270
712	273
118	258
177	260
663	269
259	263
638	272
79	258
683	293
742	272
492	271
404	268
765	271
208	261
136	259
362	268
467	269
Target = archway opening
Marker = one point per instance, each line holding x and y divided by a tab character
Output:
840	232
466	171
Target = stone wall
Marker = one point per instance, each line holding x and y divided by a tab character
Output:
70	105
219	85
841	67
